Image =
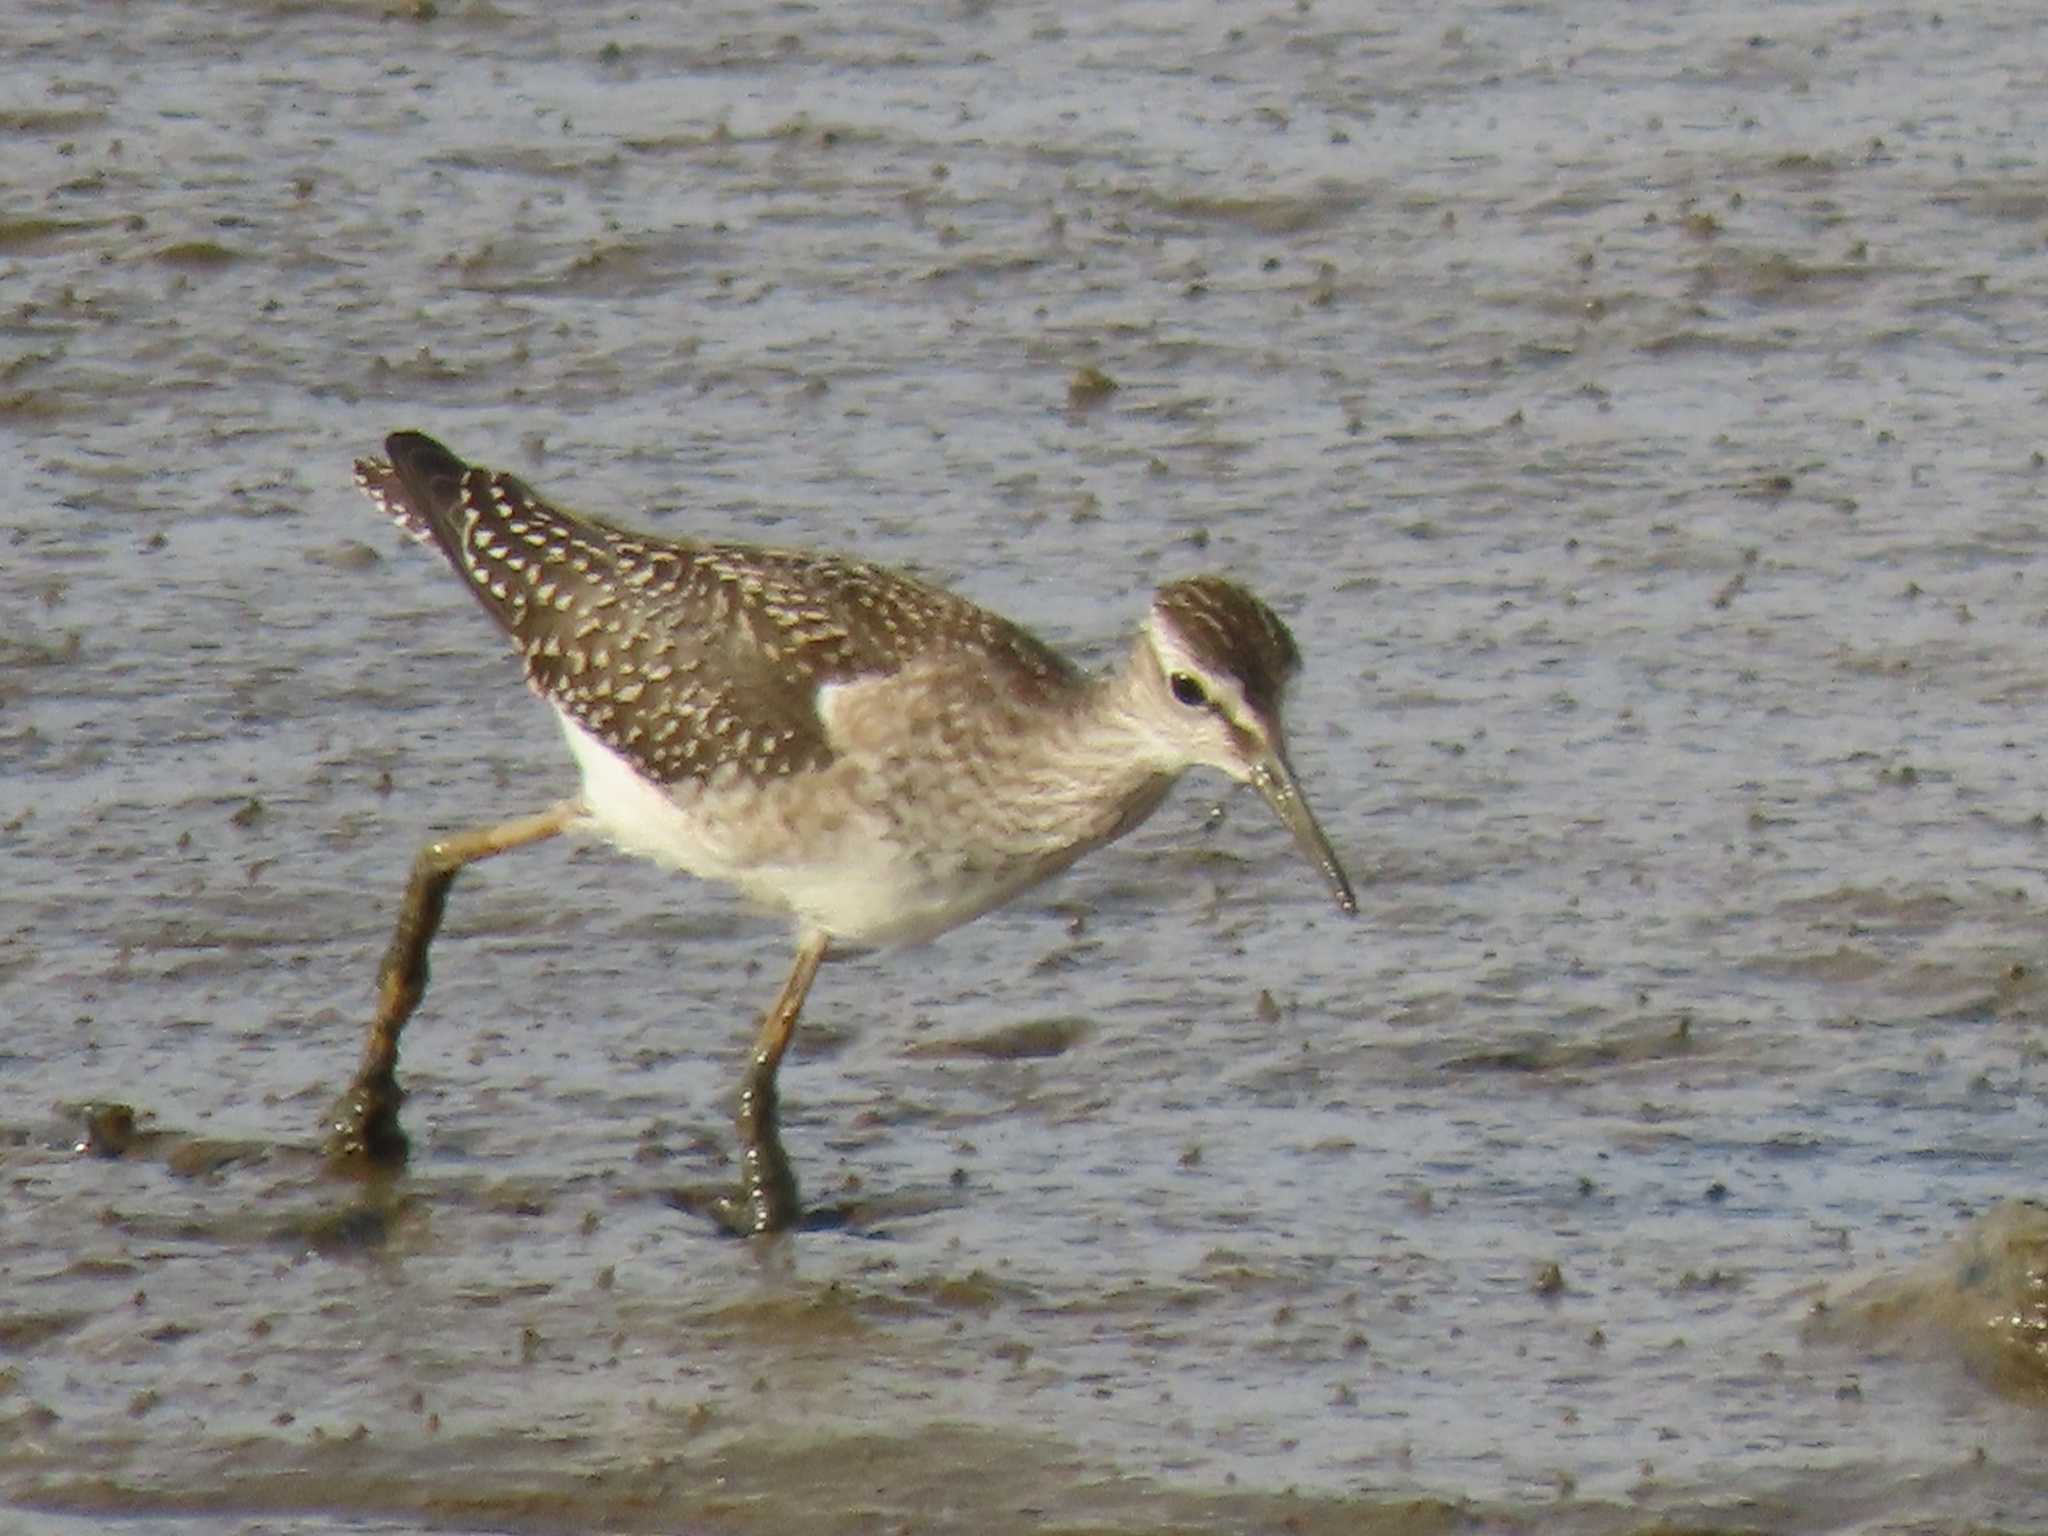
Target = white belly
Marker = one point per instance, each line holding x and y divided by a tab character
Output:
817	846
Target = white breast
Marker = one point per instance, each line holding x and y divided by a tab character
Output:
823	847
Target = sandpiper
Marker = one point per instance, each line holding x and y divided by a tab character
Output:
877	757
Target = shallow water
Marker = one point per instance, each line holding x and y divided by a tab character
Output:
1632	416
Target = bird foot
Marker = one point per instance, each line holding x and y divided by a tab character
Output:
750	1214
746	1215
363	1133
767	1200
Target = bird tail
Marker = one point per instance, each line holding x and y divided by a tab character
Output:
418	487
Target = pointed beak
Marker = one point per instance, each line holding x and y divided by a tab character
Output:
1275	780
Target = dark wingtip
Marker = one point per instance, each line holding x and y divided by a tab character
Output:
417	487
420	458
381	483
430	476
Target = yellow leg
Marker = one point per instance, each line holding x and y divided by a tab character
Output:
767	1201
362	1127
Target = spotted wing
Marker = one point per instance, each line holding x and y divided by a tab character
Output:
684	657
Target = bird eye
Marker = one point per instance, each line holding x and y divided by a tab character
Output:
1187	690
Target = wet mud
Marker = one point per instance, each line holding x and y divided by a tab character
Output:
1633	417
